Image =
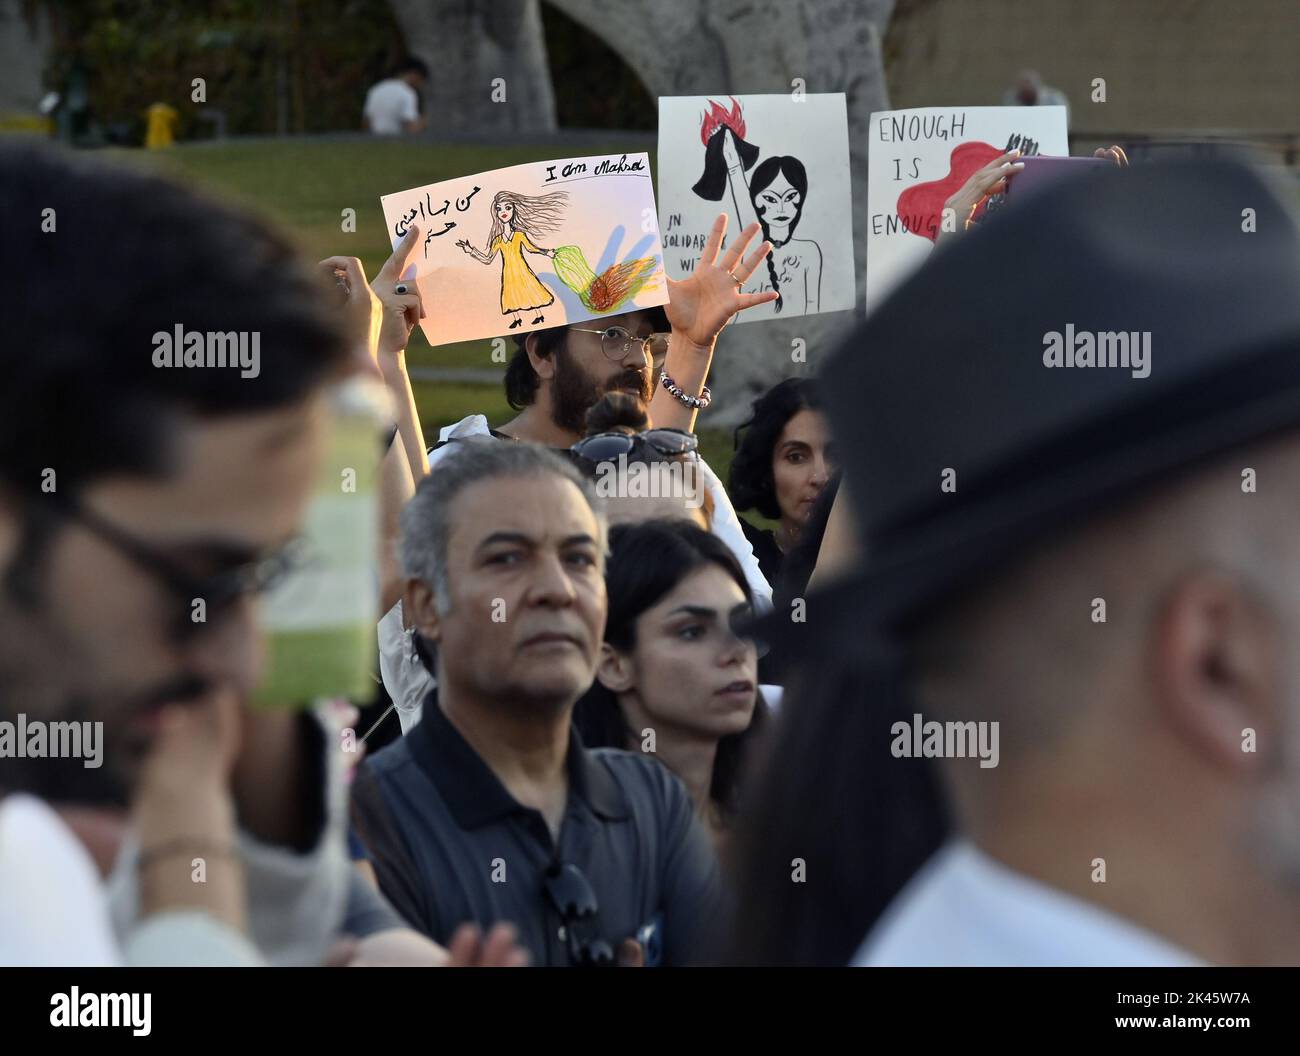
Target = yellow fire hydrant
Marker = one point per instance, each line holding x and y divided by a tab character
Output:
160	131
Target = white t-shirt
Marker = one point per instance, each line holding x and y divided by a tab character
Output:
55	910
964	909
389	104
53	905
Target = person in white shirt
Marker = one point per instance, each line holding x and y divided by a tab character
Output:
1142	809
129	639
392	106
1029	90
1075	604
966	909
100	569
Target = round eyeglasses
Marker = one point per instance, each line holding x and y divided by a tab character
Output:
220	591
616	340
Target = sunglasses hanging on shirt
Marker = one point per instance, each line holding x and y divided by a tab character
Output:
654	445
571	896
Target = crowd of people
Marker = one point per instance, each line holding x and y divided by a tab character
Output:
637	729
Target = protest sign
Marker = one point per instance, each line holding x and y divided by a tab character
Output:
917	159
780	160
532	246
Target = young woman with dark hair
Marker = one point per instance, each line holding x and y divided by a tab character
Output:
675	677
782	463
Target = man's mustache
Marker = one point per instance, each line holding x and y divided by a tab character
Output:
630	378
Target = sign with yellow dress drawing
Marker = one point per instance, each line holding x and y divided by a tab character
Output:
532	246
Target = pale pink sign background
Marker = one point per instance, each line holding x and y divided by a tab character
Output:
611	217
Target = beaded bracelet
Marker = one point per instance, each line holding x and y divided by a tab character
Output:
698	402
184	845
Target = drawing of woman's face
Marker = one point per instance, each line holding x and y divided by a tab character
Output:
778	206
505	211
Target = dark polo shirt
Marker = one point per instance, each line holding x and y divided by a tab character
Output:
449	844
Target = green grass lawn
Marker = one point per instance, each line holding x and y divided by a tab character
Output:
303	186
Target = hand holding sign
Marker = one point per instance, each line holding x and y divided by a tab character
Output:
701	304
402	312
983	183
925	161
1113	153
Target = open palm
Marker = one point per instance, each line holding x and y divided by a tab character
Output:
700	305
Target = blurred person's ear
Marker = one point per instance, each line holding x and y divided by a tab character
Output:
543	366
614	670
1216	667
420	609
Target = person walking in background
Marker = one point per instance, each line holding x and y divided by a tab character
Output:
393	105
1029	90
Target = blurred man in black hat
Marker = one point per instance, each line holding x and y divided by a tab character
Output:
1081	594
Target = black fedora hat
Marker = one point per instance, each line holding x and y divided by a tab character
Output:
1100	336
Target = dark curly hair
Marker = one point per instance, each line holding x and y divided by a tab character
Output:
521	379
750	481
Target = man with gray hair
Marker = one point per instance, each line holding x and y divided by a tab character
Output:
491	809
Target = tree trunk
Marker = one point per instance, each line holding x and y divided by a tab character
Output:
469	44
717	47
24	45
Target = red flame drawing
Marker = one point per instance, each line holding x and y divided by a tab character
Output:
716	117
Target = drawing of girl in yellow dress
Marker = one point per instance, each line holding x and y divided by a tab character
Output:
518	220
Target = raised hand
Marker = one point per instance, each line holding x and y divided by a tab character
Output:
183	809
708	299
361	308
982	183
1114	153
401	311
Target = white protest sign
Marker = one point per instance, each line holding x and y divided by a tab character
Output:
781	160
917	159
532	246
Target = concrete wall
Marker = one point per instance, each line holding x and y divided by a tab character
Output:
1168	64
